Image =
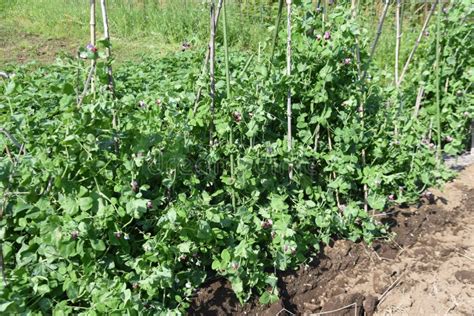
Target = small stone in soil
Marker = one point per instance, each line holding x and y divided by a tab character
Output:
465	276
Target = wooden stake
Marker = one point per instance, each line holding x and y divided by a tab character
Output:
277	28
333	173
361	107
357	53
288	72
418	40
229	96
92	38
438	83
398	39
377	36
105	22
419	97
472	137
208	55
211	71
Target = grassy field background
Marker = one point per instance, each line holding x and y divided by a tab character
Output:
40	29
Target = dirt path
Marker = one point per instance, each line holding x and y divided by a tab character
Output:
427	269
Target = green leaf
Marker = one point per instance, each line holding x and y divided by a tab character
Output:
85	203
98	244
225	255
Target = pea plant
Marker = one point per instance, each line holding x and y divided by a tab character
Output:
131	215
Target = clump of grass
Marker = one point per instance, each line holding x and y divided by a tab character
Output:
163	23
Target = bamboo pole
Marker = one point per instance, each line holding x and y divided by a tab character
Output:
418	40
229	96
357	54
472	137
86	85
361	107
105	22
398	39
110	77
211	70
438	82
92	39
338	201
208	55
277	28
377	36
288	72
419	97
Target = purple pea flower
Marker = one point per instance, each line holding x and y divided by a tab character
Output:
327	35
118	235
149	205
268	223
142	104
391	197
235	265
74	235
91	48
318	37
237	116
347	61
134	185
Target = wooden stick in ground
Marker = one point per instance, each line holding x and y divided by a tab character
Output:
211	71
472	137
377	36
277	28
110	77
229	96
361	107
208	55
357	53
288	72
398	39
86	85
92	38
438	83
419	97
418	40
105	22
334	173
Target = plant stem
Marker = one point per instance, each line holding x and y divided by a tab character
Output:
229	96
288	72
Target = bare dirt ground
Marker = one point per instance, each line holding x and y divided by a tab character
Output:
23	48
426	269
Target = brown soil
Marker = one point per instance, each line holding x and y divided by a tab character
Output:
427	269
25	47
